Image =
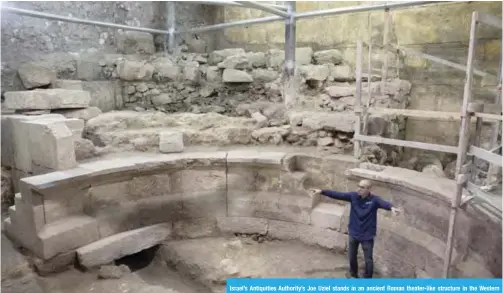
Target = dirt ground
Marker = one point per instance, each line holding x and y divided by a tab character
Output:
197	266
241	257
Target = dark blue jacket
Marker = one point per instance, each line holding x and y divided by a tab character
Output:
363	214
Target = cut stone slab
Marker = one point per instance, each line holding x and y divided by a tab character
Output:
36	74
51	146
47	99
119	245
328	56
236	76
171	142
65	235
340	91
135	70
84	114
16	139
326	215
323	120
219	56
133	42
67	84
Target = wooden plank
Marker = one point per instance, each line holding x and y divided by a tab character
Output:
486	155
489	20
441	61
409	144
436	115
358	100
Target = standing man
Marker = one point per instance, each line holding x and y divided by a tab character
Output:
362	223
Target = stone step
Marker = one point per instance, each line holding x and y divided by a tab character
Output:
47	99
12	211
119	245
67	234
286	207
326	215
7	225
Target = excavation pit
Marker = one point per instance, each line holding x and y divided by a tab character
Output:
184	210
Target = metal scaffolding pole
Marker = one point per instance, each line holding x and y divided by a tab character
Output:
225	25
289	88
234	3
220	26
80	21
462	148
263	7
362	8
170	21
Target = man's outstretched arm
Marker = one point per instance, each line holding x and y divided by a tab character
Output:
345	196
382	204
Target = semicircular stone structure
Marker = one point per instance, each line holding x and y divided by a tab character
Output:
103	210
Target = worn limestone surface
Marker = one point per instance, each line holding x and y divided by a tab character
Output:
263	193
46	99
246	258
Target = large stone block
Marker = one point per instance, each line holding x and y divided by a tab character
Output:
328	216
236	76
308	234
47	99
67	84
65	235
204	204
132	42
269	205
114	247
105	95
51	146
242	225
171	142
253	179
135	70
191	181
17	137
195	228
113	219
64	202
36	74
83	114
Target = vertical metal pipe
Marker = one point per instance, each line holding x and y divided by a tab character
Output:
170	23
385	43
358	110
289	87
462	146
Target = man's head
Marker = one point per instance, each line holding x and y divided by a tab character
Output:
364	188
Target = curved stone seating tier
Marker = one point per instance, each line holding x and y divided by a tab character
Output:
104	210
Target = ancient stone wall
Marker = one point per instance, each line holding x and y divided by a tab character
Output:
26	38
91	210
440	29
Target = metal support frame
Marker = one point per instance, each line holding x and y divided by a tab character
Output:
265	8
463	146
171	22
220	26
235	3
468	110
358	100
289	88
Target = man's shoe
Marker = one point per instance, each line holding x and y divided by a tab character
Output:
349	275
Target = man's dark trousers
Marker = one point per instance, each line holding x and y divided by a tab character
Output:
368	250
